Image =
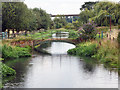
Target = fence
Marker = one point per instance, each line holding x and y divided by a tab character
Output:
3	35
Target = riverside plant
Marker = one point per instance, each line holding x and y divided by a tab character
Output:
88	31
10	52
106	53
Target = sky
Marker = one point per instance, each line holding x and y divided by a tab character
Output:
59	6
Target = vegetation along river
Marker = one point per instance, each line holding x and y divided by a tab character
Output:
57	69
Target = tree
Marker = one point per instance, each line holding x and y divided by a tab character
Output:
15	16
43	19
98	13
88	5
77	24
85	15
59	22
8	13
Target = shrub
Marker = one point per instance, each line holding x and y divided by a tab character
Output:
88	31
108	54
69	26
9	52
85	49
72	51
73	34
6	71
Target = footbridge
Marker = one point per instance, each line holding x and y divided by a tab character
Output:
37	43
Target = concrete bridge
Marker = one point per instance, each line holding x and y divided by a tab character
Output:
69	17
64	15
37	43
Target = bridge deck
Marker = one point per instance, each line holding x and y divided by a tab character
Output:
65	15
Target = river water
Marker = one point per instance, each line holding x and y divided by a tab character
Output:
57	69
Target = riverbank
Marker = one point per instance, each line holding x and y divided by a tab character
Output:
105	52
11	52
5	71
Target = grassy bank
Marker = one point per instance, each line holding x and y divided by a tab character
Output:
11	52
106	53
5	71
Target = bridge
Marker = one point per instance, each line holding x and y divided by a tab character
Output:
64	15
37	43
69	17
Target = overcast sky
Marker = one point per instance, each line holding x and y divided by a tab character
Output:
59	6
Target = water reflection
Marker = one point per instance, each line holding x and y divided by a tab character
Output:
61	35
20	66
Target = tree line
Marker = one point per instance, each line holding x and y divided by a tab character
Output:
100	13
16	16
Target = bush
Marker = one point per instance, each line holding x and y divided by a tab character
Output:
69	26
88	31
9	52
85	49
7	71
108	54
73	34
72	51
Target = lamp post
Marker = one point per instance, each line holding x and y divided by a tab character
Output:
110	23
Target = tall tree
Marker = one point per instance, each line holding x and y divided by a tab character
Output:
88	5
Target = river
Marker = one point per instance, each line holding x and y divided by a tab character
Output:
57	69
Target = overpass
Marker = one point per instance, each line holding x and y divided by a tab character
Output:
64	15
69	17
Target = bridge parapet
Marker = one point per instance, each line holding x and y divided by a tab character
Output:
34	43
